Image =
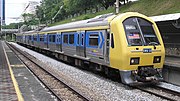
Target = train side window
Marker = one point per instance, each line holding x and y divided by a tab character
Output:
108	37
65	38
58	38
52	38
112	40
35	38
46	38
82	39
30	37
93	40
71	38
78	39
41	38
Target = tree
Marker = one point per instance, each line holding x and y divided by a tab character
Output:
48	9
29	19
106	3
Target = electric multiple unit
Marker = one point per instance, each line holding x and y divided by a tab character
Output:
128	45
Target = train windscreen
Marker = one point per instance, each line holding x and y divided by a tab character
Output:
140	32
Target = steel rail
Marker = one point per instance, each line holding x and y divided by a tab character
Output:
157	93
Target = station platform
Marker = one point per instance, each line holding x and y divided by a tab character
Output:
8	89
171	70
172	61
17	83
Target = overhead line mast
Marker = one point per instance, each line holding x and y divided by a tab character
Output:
117	6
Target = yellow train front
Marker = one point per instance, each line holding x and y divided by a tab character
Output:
137	50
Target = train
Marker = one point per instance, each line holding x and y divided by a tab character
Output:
128	45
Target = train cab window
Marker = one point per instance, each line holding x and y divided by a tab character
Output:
132	32
139	32
148	32
65	38
71	38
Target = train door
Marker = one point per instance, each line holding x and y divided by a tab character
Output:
58	42
81	47
96	45
32	39
46	40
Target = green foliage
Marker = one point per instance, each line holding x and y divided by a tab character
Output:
86	17
147	7
153	7
12	25
30	19
107	3
81	17
56	10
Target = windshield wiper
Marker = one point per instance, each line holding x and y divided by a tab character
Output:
153	43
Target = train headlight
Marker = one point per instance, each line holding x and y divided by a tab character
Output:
134	61
157	59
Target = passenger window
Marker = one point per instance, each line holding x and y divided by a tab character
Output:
112	40
52	38
71	39
29	37
78	39
45	38
41	37
58	38
108	37
65	38
35	37
93	39
82	39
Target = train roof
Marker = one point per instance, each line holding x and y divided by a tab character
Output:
166	17
30	32
101	20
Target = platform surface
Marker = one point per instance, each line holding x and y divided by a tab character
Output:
172	62
30	89
7	90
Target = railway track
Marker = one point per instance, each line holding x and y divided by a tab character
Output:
161	92
61	90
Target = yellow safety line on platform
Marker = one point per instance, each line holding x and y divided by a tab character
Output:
18	92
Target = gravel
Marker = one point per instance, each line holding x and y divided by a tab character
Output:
102	88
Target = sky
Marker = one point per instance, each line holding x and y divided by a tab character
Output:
14	9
